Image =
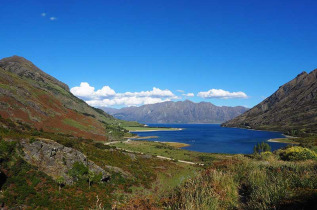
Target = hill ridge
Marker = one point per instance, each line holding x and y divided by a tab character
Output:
293	107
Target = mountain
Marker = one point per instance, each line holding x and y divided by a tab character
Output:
177	112
29	95
291	109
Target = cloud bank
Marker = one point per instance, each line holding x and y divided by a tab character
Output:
106	96
221	94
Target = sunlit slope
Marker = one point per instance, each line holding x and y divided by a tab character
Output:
38	99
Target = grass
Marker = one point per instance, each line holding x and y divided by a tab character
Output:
162	149
75	124
285	140
247	183
176	144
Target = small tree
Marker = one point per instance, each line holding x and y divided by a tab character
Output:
91	176
261	147
61	181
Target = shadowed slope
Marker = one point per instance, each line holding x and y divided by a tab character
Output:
291	109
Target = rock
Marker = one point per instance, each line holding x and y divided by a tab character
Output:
56	160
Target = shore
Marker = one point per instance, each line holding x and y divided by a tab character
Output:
284	140
159	129
174	144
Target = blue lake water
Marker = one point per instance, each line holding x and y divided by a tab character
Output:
213	138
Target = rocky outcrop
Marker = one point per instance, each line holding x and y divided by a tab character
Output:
178	112
56	160
291	109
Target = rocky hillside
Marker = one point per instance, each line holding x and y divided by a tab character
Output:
30	95
178	112
291	109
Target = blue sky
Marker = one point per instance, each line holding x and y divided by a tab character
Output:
226	52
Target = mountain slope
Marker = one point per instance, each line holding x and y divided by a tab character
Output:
177	112
291	109
30	95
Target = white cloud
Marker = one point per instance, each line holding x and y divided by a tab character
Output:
105	91
189	94
84	90
43	14
108	97
221	94
180	91
53	18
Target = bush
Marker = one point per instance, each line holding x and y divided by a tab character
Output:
210	190
102	146
261	147
297	153
78	171
267	156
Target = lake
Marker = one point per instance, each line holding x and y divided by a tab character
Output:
213	138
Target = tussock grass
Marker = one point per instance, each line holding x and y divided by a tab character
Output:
250	183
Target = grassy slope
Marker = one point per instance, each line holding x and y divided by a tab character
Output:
43	104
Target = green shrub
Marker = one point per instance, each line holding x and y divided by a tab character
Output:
266	156
210	190
32	140
78	171
261	147
297	153
102	146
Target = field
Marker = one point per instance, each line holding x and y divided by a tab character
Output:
165	150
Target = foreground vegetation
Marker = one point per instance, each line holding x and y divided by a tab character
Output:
25	186
284	179
262	182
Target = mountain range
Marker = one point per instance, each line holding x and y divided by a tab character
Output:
177	112
291	109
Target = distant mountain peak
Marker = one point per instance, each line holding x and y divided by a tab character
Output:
177	112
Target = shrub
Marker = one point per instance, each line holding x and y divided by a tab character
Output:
261	147
32	140
267	156
210	190
297	153
102	146
78	171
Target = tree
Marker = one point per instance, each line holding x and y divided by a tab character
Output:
91	176
61	181
261	147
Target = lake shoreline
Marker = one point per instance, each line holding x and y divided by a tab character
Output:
283	140
212	138
174	144
162	129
